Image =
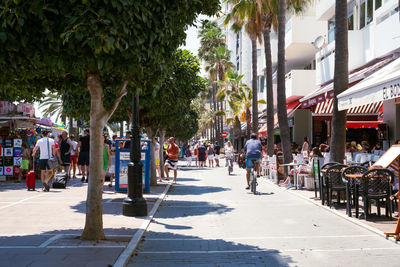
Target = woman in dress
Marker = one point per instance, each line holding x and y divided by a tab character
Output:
210	155
229	153
106	157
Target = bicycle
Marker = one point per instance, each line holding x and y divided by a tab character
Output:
253	178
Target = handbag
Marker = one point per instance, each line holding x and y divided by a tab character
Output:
52	162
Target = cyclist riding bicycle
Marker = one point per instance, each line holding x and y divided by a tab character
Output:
229	154
253	148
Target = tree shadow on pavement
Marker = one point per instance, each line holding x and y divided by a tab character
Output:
174	249
171	226
63	248
182	189
175	209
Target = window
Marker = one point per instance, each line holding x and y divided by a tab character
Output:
378	4
370	11
350	22
262	84
331	31
362	15
350	15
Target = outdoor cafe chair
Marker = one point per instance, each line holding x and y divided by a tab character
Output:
375	185
352	186
322	182
334	182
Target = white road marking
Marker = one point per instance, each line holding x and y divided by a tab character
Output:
50	240
264	251
259	238
22	200
33	247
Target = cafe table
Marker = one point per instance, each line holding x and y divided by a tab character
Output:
294	165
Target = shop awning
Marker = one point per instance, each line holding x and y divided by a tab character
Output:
326	108
326	91
290	107
380	86
363	124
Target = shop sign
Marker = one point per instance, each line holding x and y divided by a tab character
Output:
45	121
6	107
26	109
313	101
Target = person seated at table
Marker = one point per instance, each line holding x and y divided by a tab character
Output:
301	169
323	147
365	146
377	149
353	146
348	147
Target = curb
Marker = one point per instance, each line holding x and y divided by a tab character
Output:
125	256
344	216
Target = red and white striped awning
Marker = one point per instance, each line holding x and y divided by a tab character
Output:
326	108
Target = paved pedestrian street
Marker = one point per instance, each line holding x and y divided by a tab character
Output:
209	219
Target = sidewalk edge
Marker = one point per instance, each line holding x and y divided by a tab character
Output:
125	256
344	216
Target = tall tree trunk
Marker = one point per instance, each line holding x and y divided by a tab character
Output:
94	204
254	85
162	141
248	121
215	120
70	126
121	129
282	112
153	170
269	93
341	81
98	116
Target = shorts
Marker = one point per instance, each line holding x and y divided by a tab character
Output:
202	157
249	163
210	157
216	156
74	160
172	164
43	164
83	158
24	164
66	159
111	170
157	162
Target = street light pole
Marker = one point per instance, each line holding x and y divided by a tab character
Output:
134	204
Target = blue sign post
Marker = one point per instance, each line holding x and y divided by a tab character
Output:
122	159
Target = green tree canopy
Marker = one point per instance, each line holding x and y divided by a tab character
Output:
106	46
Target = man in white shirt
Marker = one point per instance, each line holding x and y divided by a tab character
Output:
47	149
74	156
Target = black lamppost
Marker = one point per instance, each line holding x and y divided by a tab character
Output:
134	204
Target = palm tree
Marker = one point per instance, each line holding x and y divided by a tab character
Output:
282	112
240	99
52	105
297	6
340	82
245	12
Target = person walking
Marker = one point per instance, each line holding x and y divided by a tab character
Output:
47	149
188	155
74	158
196	154
157	157
106	157
202	154
83	159
172	161
210	155
66	146
26	156
217	151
